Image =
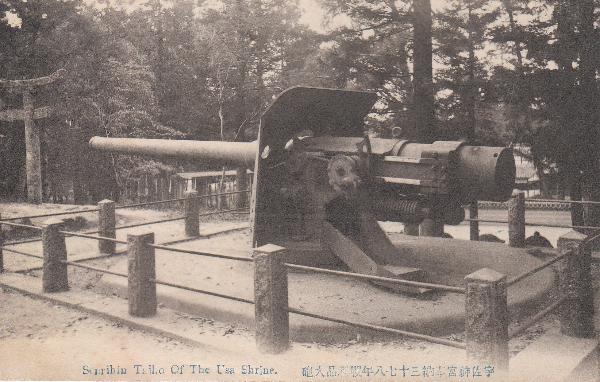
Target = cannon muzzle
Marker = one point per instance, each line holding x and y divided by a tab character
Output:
234	153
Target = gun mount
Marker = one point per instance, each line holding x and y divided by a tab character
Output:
320	186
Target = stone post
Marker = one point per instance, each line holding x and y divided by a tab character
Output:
192	213
575	283
486	319
516	221
141	272
106	226
271	299
474	225
54	276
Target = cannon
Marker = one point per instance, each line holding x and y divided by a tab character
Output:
321	186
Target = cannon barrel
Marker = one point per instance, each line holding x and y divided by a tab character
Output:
443	167
235	153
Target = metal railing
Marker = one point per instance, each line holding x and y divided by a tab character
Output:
580	249
516	222
532	271
387	280
484	290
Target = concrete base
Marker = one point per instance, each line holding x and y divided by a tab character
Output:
448	261
338	297
555	357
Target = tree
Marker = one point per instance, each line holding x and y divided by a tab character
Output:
374	53
167	37
517	94
108	89
42	37
462	34
254	48
561	80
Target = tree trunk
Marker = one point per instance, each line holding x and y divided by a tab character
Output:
46	191
544	181
79	196
522	97
569	174
589	108
575	194
591	213
423	72
160	50
471	85
513	27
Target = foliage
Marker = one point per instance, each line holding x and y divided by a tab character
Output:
372	53
461	34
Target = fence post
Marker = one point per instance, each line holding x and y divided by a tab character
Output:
242	184
271	299
1	245
106	225
474	225
54	276
486	319
516	221
141	273
577	311
192	213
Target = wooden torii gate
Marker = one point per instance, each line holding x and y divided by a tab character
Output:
32	134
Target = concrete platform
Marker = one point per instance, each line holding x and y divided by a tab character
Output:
439	314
